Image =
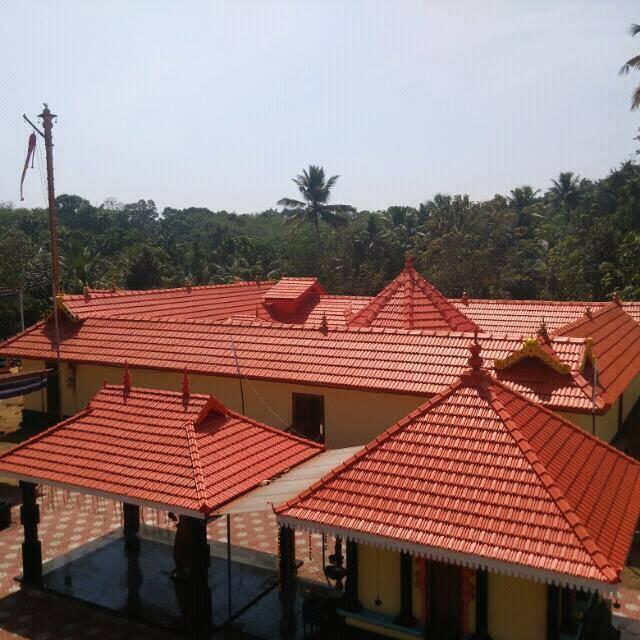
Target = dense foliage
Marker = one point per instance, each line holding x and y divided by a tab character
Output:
578	240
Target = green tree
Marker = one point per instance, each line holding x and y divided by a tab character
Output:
633	63
145	269
565	191
316	191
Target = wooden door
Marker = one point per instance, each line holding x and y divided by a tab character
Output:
444	601
308	415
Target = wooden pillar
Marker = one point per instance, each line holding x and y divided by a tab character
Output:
131	517
31	547
406	617
350	600
482	603
553	612
200	607
620	413
287	582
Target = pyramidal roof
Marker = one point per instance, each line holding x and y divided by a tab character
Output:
411	302
481	476
181	451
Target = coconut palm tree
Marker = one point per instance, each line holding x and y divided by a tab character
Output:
520	200
633	63
566	191
315	190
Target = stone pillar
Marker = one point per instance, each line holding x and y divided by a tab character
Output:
350	600
553	612
287	582
131	516
406	617
482	603
200	606
31	547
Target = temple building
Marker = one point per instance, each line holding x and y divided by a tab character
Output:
479	513
337	369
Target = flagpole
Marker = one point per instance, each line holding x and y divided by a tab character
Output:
47	125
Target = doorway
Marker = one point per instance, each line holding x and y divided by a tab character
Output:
444	601
308	416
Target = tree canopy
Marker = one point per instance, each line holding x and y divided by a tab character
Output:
578	239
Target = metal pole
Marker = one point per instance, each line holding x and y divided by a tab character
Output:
47	125
229	563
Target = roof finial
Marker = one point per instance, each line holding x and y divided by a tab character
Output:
186	389
86	292
324	325
113	287
588	311
408	260
616	298
187	284
475	359
126	378
543	330
465	298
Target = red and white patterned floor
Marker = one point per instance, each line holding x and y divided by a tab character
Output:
71	520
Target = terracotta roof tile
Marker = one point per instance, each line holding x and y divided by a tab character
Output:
153	446
483	472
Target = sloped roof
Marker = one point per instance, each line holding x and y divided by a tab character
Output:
156	447
411	302
210	302
387	360
525	316
481	476
293	288
615	340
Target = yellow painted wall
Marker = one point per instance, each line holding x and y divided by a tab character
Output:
517	608
388	579
606	425
631	396
352	417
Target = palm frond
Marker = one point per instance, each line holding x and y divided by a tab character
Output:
289	202
635	102
330	182
633	63
634	29
333	219
340	208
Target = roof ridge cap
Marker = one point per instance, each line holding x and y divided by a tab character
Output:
554	492
374	444
379	300
600	311
202	493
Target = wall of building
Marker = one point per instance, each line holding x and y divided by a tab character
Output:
630	397
352	417
606	425
517	608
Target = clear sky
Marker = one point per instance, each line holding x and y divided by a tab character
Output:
218	104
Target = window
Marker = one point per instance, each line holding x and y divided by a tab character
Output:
308	416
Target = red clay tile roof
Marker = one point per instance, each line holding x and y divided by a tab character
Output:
616	346
480	475
293	288
386	360
153	447
211	302
525	316
410	302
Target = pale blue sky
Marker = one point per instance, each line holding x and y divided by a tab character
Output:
219	104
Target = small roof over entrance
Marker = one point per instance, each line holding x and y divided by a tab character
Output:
181	452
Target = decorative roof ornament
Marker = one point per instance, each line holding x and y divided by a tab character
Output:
126	378
543	330
187	285
86	292
588	311
465	298
533	348
408	260
113	287
186	389
616	298
475	360
324	324
587	354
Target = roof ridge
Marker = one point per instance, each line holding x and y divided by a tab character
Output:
554	492
574	324
35	325
374	444
200	484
